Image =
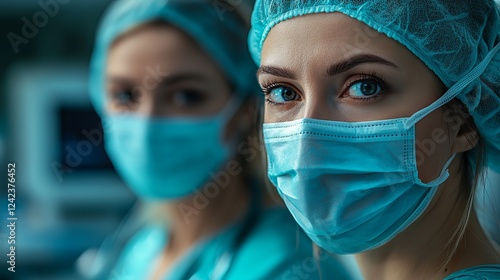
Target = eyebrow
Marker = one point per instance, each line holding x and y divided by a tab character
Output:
276	71
164	81
356	60
333	70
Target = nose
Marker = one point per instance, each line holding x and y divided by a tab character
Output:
320	105
148	106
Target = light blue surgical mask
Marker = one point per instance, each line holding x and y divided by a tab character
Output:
350	186
353	187
168	158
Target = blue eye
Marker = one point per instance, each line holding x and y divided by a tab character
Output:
187	98
281	94
364	89
125	97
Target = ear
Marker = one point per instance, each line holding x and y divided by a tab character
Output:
466	136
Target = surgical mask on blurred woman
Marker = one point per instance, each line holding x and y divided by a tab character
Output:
167	158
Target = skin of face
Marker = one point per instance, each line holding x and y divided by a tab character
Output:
302	62
161	72
329	66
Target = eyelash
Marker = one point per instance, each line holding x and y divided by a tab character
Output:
268	87
385	87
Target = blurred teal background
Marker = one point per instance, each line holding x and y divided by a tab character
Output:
67	195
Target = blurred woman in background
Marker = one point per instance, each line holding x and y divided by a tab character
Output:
175	86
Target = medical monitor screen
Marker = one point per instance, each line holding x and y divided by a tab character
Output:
82	141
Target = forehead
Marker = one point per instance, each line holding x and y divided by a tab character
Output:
327	37
153	46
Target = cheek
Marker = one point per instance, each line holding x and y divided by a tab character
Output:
287	112
432	145
109	108
266	116
276	115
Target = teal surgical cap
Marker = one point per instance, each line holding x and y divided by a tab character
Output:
451	37
218	27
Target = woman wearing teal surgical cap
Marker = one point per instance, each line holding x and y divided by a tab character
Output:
381	118
175	85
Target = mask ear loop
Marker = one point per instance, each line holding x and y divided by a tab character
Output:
442	176
232	106
475	73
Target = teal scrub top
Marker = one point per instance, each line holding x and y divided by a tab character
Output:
488	205
275	248
482	272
